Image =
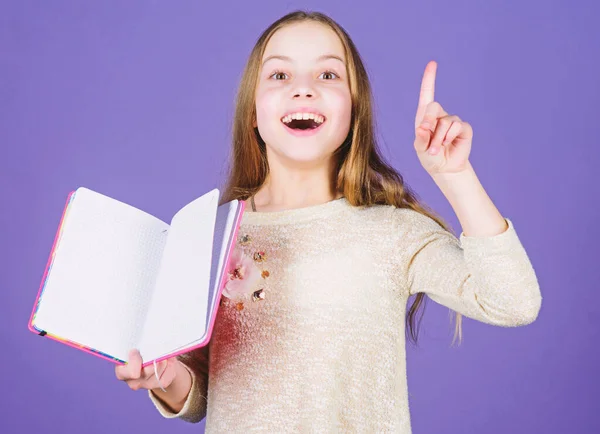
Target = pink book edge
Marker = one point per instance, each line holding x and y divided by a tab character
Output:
94	352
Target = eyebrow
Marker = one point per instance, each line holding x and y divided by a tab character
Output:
289	59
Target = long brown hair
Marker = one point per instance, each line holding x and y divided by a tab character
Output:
362	174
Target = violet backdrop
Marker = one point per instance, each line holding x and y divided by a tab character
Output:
135	99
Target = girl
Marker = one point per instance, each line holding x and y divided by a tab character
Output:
310	334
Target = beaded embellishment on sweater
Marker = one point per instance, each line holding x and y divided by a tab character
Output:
245	275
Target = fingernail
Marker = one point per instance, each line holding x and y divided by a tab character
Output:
425	125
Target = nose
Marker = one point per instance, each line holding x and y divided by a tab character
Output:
303	89
303	92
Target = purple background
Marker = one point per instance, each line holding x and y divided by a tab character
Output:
134	99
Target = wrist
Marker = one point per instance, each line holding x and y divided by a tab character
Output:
459	186
444	179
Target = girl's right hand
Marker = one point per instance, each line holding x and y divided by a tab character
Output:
137	377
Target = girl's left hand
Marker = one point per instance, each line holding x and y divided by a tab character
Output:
442	142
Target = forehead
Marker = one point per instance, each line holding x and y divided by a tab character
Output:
304	42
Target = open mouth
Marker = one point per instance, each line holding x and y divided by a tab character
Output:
303	122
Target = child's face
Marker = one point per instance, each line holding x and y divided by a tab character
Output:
310	78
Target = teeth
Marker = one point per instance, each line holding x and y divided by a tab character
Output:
303	116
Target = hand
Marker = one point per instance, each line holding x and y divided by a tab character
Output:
443	142
137	377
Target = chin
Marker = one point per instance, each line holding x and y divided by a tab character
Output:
290	149
301	154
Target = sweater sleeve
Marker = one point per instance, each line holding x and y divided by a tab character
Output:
489	278
194	409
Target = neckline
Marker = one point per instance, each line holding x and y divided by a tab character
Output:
296	215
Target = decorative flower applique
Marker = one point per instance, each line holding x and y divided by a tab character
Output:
244	276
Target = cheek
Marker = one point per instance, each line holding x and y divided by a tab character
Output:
266	106
341	103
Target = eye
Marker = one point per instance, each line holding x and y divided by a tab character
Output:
277	74
330	73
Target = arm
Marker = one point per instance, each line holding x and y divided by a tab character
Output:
486	278
186	397
477	214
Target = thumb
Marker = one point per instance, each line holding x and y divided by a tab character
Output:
422	138
134	364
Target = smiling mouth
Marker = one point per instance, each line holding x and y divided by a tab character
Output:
304	124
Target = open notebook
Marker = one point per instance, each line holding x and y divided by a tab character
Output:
119	278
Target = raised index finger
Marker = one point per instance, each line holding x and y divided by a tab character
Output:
427	93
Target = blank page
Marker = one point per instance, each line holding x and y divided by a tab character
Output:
227	215
104	269
177	312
